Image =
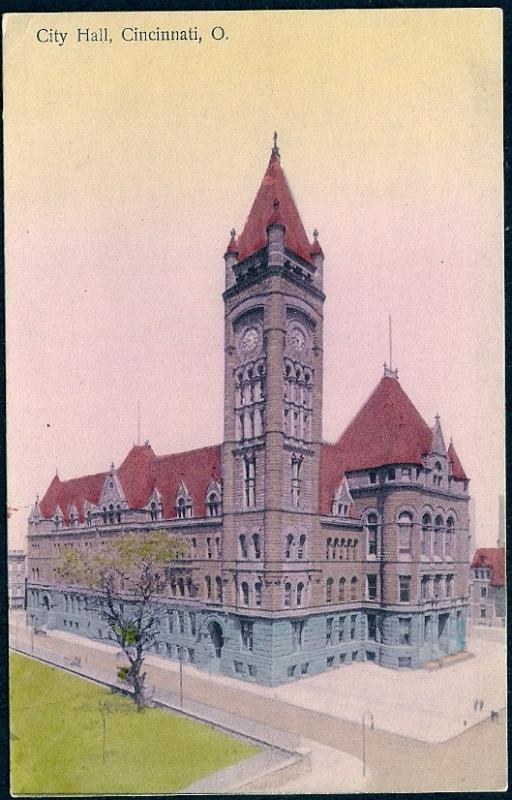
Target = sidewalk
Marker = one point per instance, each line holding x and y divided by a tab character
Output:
429	706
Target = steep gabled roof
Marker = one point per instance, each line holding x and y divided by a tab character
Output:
274	187
458	472
140	473
387	430
195	468
493	558
73	492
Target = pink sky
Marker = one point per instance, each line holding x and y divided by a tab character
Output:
127	165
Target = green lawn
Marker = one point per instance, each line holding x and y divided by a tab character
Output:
57	739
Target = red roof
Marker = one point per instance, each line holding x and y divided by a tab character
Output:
74	492
274	187
457	468
494	558
387	430
140	473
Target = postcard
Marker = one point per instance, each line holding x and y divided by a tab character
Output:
254	301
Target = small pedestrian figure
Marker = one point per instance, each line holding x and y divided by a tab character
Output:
475	704
481	704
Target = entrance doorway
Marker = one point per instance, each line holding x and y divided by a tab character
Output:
443	632
217	637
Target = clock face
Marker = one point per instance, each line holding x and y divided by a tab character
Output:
297	339
250	339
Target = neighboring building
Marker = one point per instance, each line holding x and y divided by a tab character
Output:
302	555
16	574
487	580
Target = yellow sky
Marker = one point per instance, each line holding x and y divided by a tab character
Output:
126	165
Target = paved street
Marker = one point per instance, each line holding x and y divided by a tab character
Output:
474	760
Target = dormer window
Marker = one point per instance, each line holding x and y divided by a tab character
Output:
391	474
373	476
153	510
88	518
183	503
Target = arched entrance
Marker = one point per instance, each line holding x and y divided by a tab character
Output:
216	636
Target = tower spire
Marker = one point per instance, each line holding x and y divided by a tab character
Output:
275	148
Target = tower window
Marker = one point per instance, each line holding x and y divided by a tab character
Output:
328	590
249	482
296	465
218	588
341	590
372	534
289	546
353	588
287	594
213	505
300	589
426	523
243	545
371	587
245	593
257	593
302	547
208	585
256	545
404	532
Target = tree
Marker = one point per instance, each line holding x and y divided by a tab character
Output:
125	578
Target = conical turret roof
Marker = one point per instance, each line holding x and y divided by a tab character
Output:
274	193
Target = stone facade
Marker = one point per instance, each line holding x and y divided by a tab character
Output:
488	595
303	556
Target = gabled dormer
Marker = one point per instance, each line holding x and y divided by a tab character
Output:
112	501
57	517
183	502
88	510
213	499
342	502
154	506
73	519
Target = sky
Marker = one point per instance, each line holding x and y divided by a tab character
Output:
127	164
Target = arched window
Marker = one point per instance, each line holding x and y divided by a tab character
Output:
181	508
348	549
426	524
353	588
88	518
218	588
328	590
438	536
335	548
104	515
289	546
153	511
243	545
111	514
405	532
438	474
449	537
287	594
257	593
256	545
213	505
118	513
425	587
218	551
341	590
209	546
245	593
300	589
328	548
483	591
181	587
373	528
302	547
208	585
342	549
194	546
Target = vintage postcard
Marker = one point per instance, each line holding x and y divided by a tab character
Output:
255	412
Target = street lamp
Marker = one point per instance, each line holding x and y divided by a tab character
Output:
180	654
364	737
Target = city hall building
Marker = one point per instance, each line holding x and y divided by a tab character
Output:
302	555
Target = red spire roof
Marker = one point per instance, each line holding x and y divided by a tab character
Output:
274	187
457	468
493	558
387	430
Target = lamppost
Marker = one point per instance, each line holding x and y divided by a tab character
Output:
180	654
364	737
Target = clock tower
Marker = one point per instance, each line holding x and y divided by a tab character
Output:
272	405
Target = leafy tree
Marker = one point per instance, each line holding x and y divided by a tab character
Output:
124	578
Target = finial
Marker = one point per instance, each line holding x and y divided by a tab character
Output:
112	466
275	148
232	233
437	417
315	234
